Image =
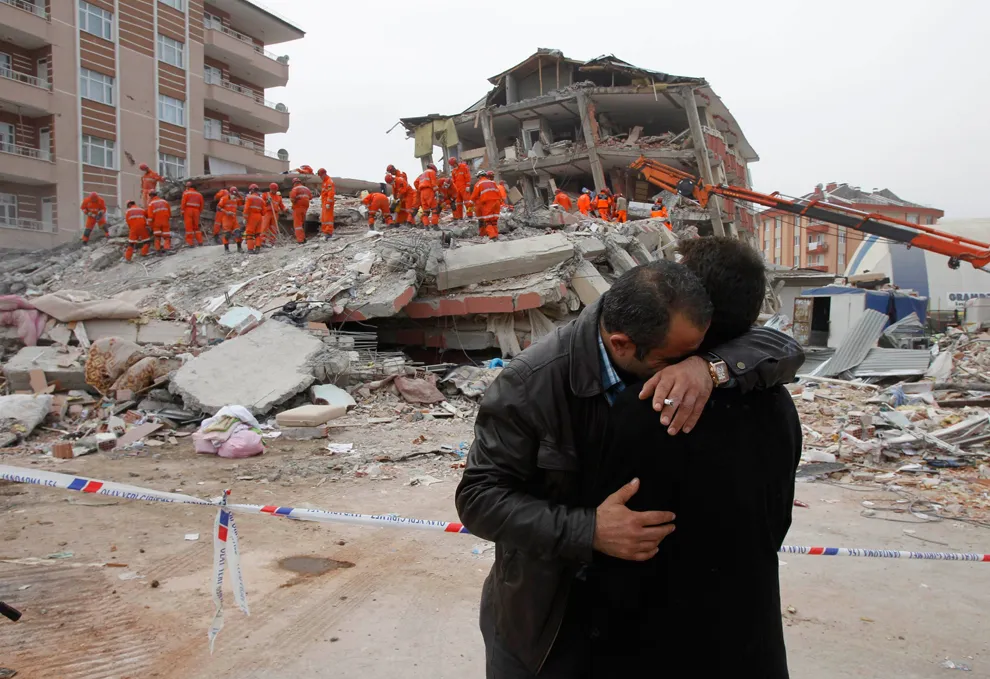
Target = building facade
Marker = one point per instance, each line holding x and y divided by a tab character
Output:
553	122
798	242
91	89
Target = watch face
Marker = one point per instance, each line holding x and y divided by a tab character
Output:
722	371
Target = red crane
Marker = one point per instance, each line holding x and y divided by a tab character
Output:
956	248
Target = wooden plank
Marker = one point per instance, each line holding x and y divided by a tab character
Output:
39	383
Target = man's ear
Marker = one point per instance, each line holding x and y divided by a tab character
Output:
621	345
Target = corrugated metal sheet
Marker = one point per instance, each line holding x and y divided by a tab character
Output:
893	363
857	344
814	359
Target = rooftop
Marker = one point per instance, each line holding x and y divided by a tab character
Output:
267	25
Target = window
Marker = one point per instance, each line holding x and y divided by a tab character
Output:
212	75
8	137
211	21
171	51
212	128
98	152
928	220
8	208
6	63
172	167
96	86
842	262
776	244
914	218
776	223
776	260
842	235
94	20
176	4
171	110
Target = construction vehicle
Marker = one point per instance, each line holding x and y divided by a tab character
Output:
956	248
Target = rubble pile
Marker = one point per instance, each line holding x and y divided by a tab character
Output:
926	440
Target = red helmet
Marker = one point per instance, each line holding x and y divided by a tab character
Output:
321	171
391	168
143	167
389	178
233	189
189	185
253	187
490	174
273	187
296	180
431	166
452	162
94	195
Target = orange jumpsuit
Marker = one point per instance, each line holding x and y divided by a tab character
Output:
378	204
603	204
426	185
621	209
487	203
660	212
149	183
137	232
305	169
269	219
96	214
328	196
403	193
584	203
460	176
563	200
228	214
503	192
218	219
254	208
447	195
159	215
192	208
300	197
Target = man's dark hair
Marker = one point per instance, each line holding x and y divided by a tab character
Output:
641	303
734	275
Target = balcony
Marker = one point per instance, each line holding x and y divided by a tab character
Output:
245	59
26	225
25	24
247	108
817	247
24	94
245	153
25	165
817	227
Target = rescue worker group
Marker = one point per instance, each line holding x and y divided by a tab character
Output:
149	224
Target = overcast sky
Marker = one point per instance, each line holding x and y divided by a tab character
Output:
878	93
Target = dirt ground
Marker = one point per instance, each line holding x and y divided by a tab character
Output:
401	603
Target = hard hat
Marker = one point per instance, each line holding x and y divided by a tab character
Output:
153	193
364	194
297	180
388	179
188	185
253	187
322	170
273	187
431	166
234	189
143	167
452	161
490	174
481	173
585	190
390	168
94	195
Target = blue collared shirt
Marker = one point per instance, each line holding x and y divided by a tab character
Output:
612	384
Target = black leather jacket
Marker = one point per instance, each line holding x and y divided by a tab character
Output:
522	488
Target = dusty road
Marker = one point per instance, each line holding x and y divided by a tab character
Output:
403	603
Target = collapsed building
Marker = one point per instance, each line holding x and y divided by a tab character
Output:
553	122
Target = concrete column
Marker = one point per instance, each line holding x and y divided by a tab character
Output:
584	109
701	153
510	89
490	147
529	193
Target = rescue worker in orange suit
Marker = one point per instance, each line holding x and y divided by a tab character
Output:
254	209
447	194
228	211
659	211
192	208
218	218
602	204
137	230
395	172
328	196
563	200
460	177
149	183
269	219
503	190
159	216
378	204
621	208
304	169
95	209
584	202
426	185
299	197
408	197
487	204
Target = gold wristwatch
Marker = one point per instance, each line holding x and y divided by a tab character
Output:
718	370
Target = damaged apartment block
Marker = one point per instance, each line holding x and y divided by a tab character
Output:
553	122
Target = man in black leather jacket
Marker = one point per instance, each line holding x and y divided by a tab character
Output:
541	421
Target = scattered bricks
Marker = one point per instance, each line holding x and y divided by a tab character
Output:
62	450
588	283
492	261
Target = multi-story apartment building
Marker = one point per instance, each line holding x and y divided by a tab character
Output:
798	242
91	89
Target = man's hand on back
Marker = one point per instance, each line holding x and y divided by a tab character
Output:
688	384
629	535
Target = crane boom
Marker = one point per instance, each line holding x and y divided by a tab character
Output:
956	248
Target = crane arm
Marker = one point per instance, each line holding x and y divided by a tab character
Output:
956	248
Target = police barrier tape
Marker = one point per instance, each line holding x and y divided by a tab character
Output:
227	555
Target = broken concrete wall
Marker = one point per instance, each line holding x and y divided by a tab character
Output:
493	261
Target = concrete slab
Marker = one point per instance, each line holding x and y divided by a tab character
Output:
66	370
620	260
640	253
382	298
104	328
259	370
590	248
493	302
161	332
492	261
588	283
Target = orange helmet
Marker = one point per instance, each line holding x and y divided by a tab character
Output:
321	171
388	179
143	167
273	187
